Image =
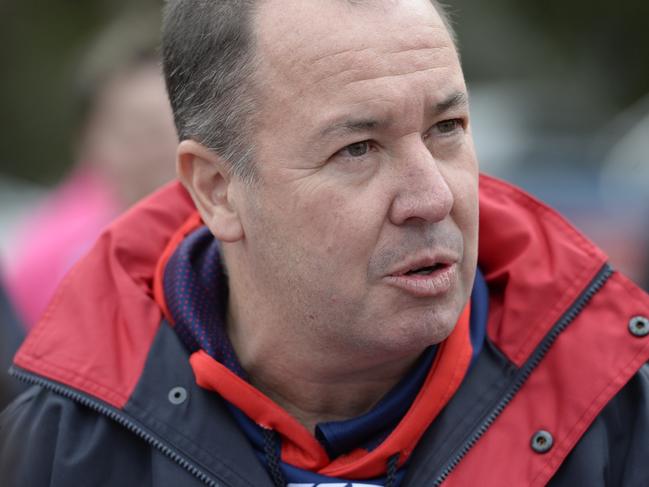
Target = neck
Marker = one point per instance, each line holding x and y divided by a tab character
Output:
294	361
311	386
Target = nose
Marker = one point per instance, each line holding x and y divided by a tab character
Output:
423	194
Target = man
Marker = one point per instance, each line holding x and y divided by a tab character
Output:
323	318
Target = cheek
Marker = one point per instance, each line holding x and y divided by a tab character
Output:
325	231
462	177
464	185
466	211
342	225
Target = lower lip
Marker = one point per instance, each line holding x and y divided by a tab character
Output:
425	286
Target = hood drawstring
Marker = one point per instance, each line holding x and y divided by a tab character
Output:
391	478
271	447
271	443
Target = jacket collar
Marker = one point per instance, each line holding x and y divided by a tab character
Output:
535	263
97	331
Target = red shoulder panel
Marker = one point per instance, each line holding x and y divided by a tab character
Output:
96	332
588	364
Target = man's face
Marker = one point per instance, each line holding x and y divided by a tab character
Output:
362	232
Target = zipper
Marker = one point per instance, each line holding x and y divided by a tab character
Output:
120	418
520	378
524	372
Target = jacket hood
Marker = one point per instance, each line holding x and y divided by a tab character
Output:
98	329
99	326
536	265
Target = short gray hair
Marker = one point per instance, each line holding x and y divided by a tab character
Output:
208	62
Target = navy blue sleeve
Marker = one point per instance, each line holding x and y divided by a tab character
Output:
628	430
27	442
615	449
48	440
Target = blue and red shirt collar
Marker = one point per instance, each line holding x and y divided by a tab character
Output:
196	295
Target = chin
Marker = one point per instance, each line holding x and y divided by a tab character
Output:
413	334
438	327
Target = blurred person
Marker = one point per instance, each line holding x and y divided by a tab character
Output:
334	296
125	149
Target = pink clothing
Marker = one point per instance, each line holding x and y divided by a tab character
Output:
62	228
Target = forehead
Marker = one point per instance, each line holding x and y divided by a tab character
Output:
326	44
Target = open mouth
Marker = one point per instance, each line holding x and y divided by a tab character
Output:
426	278
425	271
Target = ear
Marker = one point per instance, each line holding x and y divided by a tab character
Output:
207	178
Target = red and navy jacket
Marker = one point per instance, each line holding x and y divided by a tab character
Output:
558	394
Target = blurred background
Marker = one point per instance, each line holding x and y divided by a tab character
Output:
560	105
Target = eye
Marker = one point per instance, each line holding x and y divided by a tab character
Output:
357	149
449	126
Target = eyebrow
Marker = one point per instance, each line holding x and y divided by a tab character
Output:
352	126
456	100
